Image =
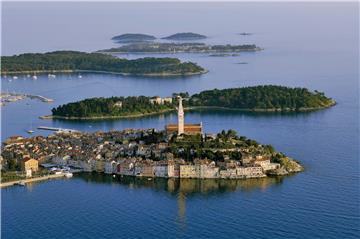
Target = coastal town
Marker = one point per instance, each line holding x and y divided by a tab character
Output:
179	151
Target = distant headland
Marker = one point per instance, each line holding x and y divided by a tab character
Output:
267	98
156	47
74	61
185	36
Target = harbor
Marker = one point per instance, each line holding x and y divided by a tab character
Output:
8	97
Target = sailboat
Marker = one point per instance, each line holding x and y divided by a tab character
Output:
30	131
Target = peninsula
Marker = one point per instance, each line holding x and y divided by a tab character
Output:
144	153
74	61
157	47
185	36
133	37
267	98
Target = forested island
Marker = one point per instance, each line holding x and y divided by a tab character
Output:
133	37
156	47
185	36
267	98
74	61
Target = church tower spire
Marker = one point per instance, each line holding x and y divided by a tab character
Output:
180	117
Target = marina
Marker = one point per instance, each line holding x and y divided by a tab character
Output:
7	97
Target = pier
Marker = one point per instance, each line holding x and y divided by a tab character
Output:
58	129
39	97
7	97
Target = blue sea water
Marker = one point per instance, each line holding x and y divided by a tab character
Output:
313	45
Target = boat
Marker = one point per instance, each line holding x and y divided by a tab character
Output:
80	76
114	176
20	183
15	77
149	179
34	77
30	131
68	174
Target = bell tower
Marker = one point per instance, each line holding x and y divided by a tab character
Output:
180	117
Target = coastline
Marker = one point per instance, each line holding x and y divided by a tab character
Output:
30	180
104	72
273	110
175	52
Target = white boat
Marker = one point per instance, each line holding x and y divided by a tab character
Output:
21	183
28	76
51	76
15	77
80	76
68	174
30	131
34	77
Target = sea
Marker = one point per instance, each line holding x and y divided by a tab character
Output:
312	45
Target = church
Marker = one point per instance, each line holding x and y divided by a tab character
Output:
182	128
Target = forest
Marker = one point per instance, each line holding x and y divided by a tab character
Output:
256	98
81	61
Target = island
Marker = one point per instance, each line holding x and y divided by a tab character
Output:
264	98
245	33
74	61
145	153
185	36
157	47
133	37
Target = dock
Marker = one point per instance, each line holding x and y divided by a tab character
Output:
58	129
39	97
30	180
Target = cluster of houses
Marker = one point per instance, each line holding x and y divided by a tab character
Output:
124	153
160	101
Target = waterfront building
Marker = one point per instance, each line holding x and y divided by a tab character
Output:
250	172
29	164
265	163
110	167
188	171
182	128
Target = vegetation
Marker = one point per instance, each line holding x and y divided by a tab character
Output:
267	97
185	36
81	61
157	47
114	106
215	148
257	98
133	37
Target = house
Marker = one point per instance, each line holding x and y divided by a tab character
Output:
110	167
147	171
250	172
155	100
188	171
161	171
29	164
265	163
